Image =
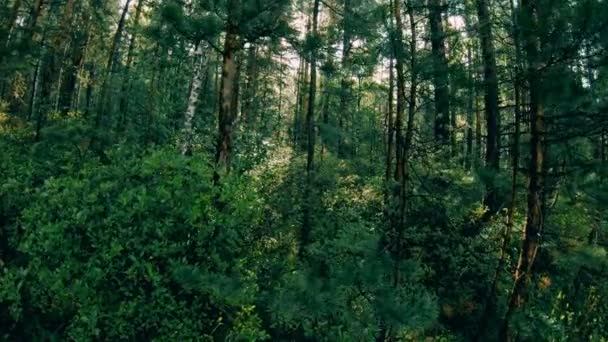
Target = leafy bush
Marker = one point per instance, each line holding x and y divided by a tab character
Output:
136	249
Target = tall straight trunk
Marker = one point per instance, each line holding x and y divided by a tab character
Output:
440	73
390	129
491	304
404	133
228	89
126	81
534	220
398	52
392	241
312	93
469	156
34	91
197	80
109	70
43	82
488	53
325	102
310	134
299	105
413	94
281	85
346	63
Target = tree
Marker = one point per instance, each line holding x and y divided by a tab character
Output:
534	220
491	100
440	72
310	127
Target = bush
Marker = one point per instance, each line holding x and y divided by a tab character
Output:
137	250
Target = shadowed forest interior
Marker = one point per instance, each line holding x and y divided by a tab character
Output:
304	170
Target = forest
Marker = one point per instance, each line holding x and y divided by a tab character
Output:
304	170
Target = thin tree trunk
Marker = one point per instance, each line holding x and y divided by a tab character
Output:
126	81
390	132
34	91
534	221
478	118
197	80
109	70
299	105
398	211
345	82
470	108
325	108
491	304
280	106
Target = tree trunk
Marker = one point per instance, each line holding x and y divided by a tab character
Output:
440	73
109	70
469	155
197	80
390	131
491	102
228	88
491	304
34	91
534	221
310	134
297	122
392	241
325	101
346	70
126	81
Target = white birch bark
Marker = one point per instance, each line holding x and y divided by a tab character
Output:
197	80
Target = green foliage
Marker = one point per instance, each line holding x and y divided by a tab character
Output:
108	232
135	249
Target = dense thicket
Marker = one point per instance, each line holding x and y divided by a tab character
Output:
335	170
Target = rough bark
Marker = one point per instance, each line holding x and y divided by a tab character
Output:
228	88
